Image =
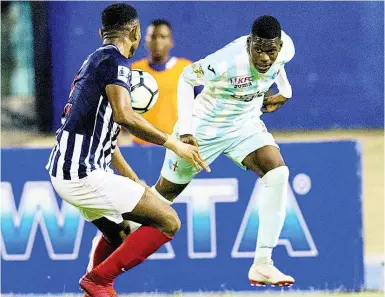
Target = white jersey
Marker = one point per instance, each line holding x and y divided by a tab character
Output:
233	89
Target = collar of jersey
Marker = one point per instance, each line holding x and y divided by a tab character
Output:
165	66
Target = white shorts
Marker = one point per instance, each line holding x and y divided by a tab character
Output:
100	194
235	145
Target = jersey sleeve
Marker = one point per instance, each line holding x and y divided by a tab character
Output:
115	71
283	83
202	71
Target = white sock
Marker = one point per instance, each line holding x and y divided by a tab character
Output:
135	225
157	194
272	212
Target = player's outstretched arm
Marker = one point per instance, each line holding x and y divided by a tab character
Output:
185	111
185	106
196	74
274	102
124	115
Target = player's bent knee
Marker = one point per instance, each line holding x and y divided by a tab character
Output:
171	223
277	175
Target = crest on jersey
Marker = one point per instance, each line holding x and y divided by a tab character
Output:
198	70
123	74
241	81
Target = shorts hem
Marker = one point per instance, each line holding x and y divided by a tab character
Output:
249	152
174	179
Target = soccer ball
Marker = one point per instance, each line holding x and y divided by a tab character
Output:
144	91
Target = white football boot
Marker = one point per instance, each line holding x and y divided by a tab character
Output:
264	273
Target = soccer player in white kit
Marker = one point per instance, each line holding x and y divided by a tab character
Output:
225	119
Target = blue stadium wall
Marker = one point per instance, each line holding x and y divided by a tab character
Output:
337	73
321	244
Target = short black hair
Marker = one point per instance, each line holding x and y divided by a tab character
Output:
160	22
267	27
115	16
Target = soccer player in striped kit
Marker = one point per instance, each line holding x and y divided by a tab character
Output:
99	103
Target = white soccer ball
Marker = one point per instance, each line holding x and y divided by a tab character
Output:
144	91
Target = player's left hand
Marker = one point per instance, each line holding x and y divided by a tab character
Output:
272	103
189	139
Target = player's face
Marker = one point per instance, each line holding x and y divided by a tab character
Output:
159	41
263	52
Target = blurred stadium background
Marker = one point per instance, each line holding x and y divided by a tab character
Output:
338	84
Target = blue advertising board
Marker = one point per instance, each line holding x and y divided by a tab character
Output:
321	243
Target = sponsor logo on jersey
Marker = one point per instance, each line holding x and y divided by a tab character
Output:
211	69
123	73
245	98
241	81
250	97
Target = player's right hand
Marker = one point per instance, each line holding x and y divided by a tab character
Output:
189	139
190	153
187	152
272	103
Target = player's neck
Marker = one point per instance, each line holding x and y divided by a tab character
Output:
119	45
158	60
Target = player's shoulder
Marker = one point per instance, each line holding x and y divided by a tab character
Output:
110	63
288	50
109	55
236	46
231	50
225	58
231	55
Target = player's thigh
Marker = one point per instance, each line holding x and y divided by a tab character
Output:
101	194
177	171
255	149
129	200
264	159
152	211
84	197
116	193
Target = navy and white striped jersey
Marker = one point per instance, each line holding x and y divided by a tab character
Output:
88	135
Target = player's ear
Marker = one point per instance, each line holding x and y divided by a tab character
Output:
248	44
135	33
100	31
280	45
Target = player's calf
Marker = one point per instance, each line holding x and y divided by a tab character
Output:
160	223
